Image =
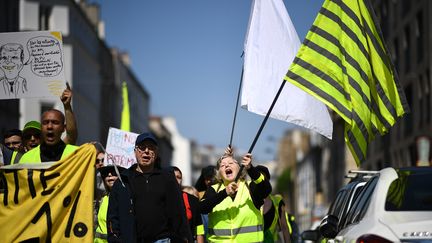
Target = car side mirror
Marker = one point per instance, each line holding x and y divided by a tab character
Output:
312	235
329	226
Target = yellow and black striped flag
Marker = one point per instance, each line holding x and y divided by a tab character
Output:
344	62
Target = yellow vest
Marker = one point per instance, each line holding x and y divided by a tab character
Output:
235	220
101	230
33	156
271	231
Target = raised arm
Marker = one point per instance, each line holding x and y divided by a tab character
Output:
71	126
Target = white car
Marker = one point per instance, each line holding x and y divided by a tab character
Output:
394	206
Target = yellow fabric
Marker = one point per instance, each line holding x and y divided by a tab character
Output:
125	116
200	229
52	204
276	199
288	223
260	179
33	155
344	63
102	215
238	219
14	154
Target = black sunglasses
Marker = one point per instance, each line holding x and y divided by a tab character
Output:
29	135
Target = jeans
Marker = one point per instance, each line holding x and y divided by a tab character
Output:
166	240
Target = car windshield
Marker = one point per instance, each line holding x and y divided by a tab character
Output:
410	192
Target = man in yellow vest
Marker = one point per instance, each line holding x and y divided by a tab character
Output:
52	147
233	206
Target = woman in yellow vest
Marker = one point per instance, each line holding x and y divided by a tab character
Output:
233	207
109	176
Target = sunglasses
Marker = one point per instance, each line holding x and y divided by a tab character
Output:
142	147
99	161
28	136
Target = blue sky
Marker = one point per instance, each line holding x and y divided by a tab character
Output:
187	54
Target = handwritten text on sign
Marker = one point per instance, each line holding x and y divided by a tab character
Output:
120	148
45	56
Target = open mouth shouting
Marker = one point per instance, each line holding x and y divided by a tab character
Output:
50	137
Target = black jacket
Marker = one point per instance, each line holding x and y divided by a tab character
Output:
161	208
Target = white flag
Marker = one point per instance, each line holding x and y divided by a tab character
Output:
270	46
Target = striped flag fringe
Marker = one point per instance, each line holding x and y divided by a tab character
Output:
344	62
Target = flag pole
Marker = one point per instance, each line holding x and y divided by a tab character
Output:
236	108
262	125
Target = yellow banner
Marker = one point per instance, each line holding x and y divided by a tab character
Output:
53	204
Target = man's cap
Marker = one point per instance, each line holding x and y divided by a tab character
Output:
32	124
145	136
105	170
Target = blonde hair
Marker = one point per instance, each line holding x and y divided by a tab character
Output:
218	176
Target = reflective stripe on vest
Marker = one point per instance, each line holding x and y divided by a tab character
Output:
236	220
33	155
241	230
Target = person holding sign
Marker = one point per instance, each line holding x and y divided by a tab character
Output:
233	207
145	204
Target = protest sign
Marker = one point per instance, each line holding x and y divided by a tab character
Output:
49	202
120	148
31	64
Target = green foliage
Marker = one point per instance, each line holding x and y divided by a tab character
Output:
284	183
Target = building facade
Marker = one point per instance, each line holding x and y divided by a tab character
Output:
94	71
406	27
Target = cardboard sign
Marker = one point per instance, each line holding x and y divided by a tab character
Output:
120	148
31	64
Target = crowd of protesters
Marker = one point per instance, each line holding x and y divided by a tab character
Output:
230	202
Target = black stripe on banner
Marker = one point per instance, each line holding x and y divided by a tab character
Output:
320	92
392	68
364	27
361	126
353	141
381	52
323	76
352	82
384	98
370	103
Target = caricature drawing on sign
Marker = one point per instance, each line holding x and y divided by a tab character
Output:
31	65
11	63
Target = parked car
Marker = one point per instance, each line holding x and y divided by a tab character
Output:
395	205
339	207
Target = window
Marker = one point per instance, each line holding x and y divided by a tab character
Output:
46	106
406	49
44	17
419	37
410	192
361	204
